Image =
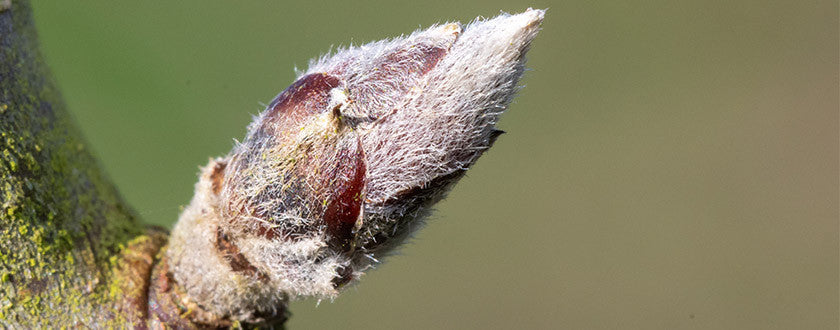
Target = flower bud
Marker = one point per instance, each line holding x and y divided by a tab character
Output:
345	162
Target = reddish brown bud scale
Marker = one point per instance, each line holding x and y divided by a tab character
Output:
308	95
345	195
237	262
320	168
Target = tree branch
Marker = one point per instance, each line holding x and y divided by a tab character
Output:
73	253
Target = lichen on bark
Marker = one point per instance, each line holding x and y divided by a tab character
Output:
63	226
72	253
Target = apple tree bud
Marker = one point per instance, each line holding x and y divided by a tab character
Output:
344	164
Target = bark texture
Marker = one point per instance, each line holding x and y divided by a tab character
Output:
72	253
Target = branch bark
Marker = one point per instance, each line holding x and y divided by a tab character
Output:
72	253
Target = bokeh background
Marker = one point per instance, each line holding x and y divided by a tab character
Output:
670	164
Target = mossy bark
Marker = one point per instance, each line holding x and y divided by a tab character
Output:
72	253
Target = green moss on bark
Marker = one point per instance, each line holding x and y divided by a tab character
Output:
61	220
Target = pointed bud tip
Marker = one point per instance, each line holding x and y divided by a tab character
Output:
536	15
528	21
506	35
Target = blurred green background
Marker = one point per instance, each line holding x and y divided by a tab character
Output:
670	164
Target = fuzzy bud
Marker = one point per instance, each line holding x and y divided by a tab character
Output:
344	163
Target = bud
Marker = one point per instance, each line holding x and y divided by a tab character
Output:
344	163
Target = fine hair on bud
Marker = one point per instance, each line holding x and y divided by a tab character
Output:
344	163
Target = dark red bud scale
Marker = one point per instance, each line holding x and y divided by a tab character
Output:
307	96
317	171
344	205
343	180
